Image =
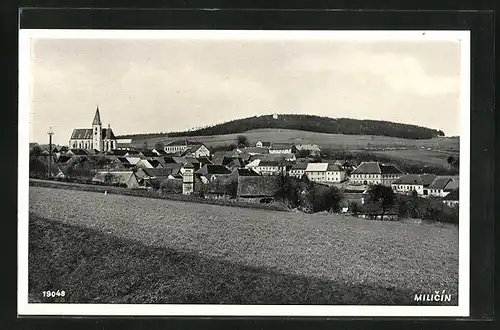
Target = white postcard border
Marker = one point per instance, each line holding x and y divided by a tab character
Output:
25	308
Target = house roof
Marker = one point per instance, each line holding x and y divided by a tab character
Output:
64	148
333	167
148	153
123	160
254	163
416	179
189	165
452	185
389	169
193	148
266	162
367	168
316	167
156	172
255	150
204	160
453	196
63	159
307	146
245	172
78	152
97	118
439	183
299	166
181	142
213	169
133	160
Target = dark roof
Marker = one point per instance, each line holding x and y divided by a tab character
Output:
266	162
213	169
154	162
265	143
300	166
86	134
419	179
204	160
157	172
389	169
452	185
189	165
63	159
97	118
439	183
452	196
64	148
123	160
367	168
246	172
178	143
334	167
78	152
118	152
148	153
256	150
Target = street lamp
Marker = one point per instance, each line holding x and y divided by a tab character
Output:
50	133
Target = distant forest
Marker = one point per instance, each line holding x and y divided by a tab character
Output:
307	123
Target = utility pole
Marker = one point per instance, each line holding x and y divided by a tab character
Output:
50	133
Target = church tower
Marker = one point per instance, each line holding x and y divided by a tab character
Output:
97	131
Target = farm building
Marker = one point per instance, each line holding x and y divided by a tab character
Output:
209	172
258	188
123	144
368	173
298	169
324	172
269	167
197	151
414	182
117	177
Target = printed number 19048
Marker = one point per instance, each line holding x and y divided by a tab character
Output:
53	294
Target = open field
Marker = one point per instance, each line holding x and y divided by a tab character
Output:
114	248
420	156
334	141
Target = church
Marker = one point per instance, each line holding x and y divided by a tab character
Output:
98	138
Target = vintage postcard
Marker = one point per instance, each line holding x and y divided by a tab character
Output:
252	173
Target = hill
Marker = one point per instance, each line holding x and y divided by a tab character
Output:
308	123
332	141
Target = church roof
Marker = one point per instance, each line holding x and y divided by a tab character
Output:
97	118
86	134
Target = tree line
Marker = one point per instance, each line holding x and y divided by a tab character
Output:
308	123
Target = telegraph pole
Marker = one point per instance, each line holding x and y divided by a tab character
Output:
50	133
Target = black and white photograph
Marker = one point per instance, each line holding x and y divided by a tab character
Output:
217	172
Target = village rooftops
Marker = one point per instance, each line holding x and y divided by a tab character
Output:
376	168
213	169
415	179
148	153
245	172
181	142
255	150
118	152
439	183
78	152
273	163
299	166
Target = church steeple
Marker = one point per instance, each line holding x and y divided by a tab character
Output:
97	118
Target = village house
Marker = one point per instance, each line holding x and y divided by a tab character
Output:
371	173
299	169
452	199
309	147
209	172
268	167
197	151
253	150
413	182
178	146
263	144
123	144
117	177
325	172
76	152
280	148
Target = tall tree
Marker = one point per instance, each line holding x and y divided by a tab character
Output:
450	161
382	196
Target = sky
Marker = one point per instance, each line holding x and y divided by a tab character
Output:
147	86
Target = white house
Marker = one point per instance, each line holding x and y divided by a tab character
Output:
269	167
414	182
280	148
177	146
298	169
368	173
325	172
198	151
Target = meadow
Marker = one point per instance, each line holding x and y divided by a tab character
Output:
333	141
123	249
438	158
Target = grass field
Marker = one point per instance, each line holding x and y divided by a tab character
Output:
335	141
438	158
123	249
